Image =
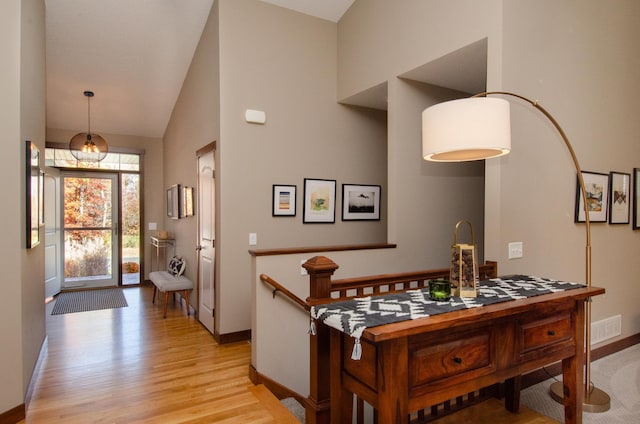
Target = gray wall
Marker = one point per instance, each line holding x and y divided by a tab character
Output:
286	64
21	118
579	60
283	63
195	122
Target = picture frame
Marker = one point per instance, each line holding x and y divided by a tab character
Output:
619	198
360	202
283	202
319	204
597	188
41	197
173	201
33	194
187	202
636	198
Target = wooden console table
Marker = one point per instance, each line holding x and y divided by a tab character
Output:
409	365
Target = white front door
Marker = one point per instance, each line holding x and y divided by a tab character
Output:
52	234
206	235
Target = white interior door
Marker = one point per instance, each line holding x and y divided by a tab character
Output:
206	237
52	233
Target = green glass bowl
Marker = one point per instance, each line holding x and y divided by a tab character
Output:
440	290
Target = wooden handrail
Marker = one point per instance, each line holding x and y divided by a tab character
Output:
277	287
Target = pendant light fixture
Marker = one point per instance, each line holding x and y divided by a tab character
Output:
88	147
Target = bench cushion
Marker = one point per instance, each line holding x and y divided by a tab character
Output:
167	282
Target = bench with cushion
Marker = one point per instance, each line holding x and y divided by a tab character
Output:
171	281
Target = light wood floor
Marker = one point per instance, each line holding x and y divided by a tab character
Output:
129	365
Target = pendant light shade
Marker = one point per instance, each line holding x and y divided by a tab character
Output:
85	146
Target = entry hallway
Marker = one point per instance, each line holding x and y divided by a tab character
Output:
129	365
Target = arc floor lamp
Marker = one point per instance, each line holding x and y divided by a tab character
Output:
479	127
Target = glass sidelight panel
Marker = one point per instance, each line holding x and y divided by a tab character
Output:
131	237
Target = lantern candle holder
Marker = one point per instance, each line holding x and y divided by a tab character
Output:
464	267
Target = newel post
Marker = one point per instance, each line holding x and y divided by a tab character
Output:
320	270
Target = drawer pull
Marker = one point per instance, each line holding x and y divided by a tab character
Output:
457	360
551	333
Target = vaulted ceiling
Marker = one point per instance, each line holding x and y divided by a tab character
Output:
134	54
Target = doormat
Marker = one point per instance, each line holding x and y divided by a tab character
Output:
88	300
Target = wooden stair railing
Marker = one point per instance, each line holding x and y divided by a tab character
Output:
323	290
279	288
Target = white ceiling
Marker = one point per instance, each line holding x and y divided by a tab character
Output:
134	54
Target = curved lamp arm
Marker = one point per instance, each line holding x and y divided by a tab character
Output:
576	164
583	190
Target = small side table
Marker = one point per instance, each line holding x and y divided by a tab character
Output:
161	244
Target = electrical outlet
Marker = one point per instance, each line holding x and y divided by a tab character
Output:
303	271
515	250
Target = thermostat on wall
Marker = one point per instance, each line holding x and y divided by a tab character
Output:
255	116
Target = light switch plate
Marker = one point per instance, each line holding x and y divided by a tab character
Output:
515	250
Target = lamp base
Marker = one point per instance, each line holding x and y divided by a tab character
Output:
596	401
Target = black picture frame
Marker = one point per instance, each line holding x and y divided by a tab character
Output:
34	195
597	187
636	198
283	200
174	202
319	206
361	202
619	197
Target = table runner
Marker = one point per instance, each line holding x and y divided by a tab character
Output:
355	315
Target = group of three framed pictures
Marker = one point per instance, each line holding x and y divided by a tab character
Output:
360	202
609	198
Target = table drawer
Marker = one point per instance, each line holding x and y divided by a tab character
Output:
546	333
450	358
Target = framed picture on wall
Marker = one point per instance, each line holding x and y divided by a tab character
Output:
360	202
34	194
619	199
319	201
187	202
173	201
636	198
283	200
597	187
